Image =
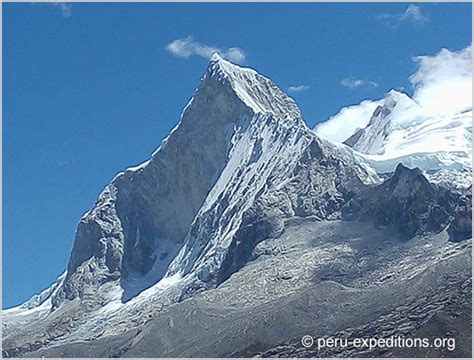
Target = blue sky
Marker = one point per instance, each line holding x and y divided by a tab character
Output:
90	89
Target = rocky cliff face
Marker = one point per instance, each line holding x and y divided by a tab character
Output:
460	227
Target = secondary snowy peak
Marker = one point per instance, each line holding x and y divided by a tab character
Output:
400	131
397	113
255	90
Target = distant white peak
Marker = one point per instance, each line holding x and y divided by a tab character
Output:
389	124
397	94
255	90
394	98
398	110
400	130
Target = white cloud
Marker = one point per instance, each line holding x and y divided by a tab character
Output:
64	7
298	88
443	82
354	83
412	14
342	125
187	46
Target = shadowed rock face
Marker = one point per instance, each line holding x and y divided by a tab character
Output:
461	226
352	140
408	203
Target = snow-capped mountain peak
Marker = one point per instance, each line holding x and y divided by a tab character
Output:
152	221
398	112
216	57
394	97
255	90
401	131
